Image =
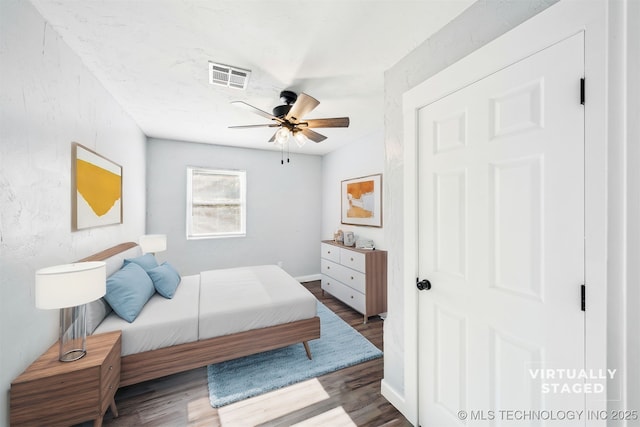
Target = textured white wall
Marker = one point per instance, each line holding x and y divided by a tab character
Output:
48	100
479	24
359	158
283	207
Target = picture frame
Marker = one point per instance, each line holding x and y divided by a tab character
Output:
361	201
96	189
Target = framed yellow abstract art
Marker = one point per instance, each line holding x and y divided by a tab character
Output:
362	201
97	183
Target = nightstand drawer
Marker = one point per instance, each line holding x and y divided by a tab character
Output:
56	397
54	393
110	376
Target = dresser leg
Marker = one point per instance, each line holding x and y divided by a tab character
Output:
98	421
365	319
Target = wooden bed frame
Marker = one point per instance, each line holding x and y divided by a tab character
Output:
149	365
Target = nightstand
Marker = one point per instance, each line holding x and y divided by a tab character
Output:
51	392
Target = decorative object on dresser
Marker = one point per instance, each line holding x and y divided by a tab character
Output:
349	238
357	277
153	243
69	287
50	392
361	201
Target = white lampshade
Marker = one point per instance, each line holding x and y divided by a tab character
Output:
70	285
152	243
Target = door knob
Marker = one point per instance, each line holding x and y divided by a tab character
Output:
423	284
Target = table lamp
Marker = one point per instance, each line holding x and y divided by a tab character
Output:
69	287
152	243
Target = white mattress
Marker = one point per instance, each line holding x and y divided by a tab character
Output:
240	299
162	322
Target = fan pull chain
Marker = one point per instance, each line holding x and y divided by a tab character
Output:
282	154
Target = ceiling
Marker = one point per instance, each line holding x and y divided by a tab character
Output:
152	56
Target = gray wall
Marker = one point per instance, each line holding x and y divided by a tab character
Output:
48	99
482	22
284	207
359	158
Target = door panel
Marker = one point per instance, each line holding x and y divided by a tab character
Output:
501	238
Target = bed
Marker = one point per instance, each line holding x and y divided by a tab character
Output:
214	316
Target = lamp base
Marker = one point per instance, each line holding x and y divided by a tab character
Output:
73	333
72	355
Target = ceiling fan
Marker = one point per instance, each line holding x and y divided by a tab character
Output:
289	118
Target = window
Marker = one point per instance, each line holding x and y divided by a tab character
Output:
216	203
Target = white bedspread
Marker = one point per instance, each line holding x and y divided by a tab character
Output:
215	303
162	322
240	299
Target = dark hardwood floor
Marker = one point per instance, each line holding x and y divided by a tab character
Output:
348	397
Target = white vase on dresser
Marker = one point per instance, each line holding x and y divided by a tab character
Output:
357	277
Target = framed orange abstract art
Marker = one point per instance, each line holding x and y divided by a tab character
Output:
97	190
362	201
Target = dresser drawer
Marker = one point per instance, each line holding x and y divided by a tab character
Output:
353	259
329	268
329	252
344	293
347	276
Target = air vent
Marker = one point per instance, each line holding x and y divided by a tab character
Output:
225	75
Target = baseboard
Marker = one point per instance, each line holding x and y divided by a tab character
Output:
309	278
395	398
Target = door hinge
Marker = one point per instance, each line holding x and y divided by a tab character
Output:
582	91
583	297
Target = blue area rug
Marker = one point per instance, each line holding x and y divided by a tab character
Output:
338	347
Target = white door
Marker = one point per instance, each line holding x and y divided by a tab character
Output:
501	239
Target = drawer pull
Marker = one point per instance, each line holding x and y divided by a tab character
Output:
352	259
111	368
328	267
351	277
328	252
351	296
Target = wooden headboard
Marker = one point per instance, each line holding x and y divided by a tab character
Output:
107	253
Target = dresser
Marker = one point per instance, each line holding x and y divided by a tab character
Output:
55	393
357	277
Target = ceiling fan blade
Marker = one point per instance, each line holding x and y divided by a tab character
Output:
266	125
303	106
273	138
313	136
336	122
257	111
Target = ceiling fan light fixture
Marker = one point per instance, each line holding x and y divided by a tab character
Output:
300	138
282	135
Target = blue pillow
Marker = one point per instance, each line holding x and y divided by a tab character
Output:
165	279
146	261
128	290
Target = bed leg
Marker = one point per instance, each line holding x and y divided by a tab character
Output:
307	349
